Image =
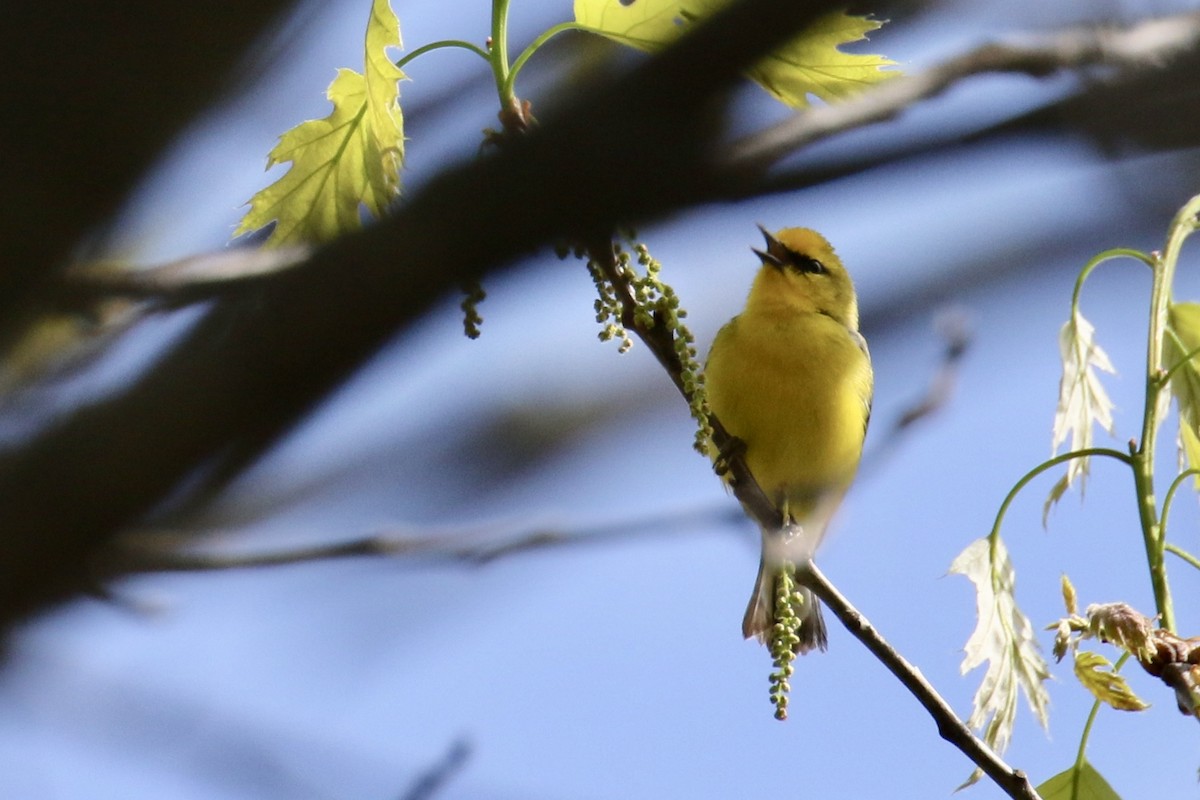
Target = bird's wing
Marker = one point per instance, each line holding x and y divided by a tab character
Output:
861	341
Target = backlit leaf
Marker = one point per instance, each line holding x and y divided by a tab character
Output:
645	24
1004	638
1082	400
345	161
1181	341
811	63
1096	674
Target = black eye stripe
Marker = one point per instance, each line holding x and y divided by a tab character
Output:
780	255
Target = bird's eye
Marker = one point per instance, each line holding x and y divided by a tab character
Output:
804	263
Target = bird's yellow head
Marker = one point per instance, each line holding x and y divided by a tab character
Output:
801	273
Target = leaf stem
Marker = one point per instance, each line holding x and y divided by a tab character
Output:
1182	362
534	46
1184	554
1170	498
1100	258
1038	470
423	49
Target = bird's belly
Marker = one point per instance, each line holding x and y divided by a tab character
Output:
798	401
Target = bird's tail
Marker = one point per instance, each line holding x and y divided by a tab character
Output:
760	614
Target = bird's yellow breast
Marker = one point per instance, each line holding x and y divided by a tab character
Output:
796	388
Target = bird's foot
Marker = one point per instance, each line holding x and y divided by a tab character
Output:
734	448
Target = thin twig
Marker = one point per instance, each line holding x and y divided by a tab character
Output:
1014	782
1145	44
660	339
156	551
955	331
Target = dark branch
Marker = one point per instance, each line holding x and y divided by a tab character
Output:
1014	782
257	363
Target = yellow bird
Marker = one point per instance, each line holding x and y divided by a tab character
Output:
791	378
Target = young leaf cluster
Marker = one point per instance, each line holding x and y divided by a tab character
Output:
1002	636
349	162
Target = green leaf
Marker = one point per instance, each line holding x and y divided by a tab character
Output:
1182	339
1082	400
1005	639
1080	782
809	64
645	24
1096	674
349	159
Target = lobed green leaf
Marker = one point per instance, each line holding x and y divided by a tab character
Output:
343	162
1096	674
810	64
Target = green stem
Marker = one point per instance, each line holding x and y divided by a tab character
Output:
1143	458
1100	258
1039	469
499	51
422	50
1183	362
1170	498
1087	732
510	82
1184	554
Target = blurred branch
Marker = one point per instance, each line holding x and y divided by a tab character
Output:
956	334
430	782
260	360
1013	782
98	107
152	550
953	327
188	279
1136	48
1140	46
148	551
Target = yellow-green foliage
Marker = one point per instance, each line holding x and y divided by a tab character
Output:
342	162
809	64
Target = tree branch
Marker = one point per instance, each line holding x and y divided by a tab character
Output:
186	280
1014	782
158	551
259	361
1140	46
660	339
1144	45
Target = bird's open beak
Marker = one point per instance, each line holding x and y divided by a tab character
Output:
772	244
